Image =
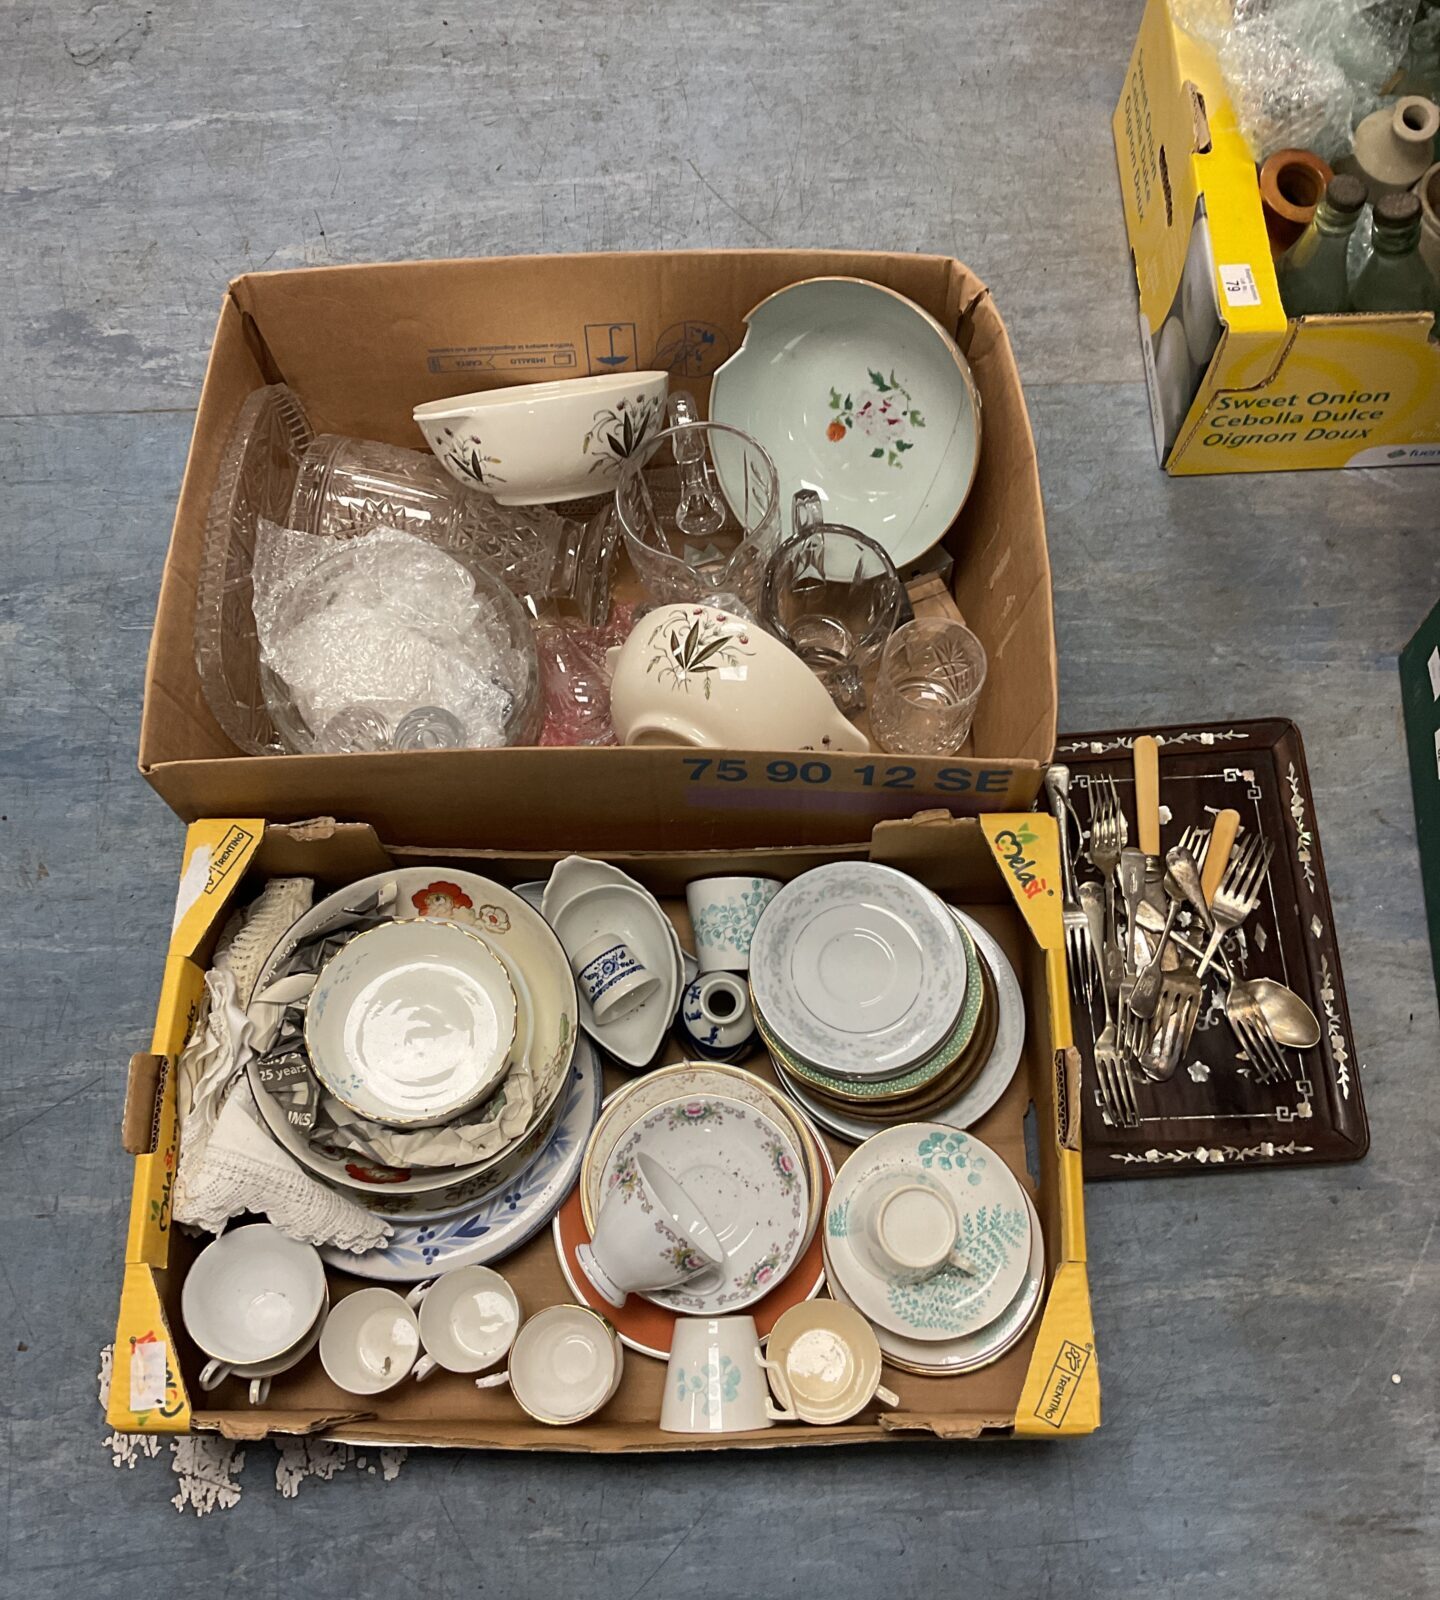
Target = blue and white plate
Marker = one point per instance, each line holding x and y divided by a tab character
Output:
502	1221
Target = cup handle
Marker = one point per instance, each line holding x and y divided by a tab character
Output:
425	1367
806	511
605	1286
960	1262
212	1374
259	1391
886	1397
785	1411
493	1380
418	1293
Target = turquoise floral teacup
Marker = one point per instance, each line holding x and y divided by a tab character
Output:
723	913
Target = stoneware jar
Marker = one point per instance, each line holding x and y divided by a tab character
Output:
1428	189
1394	145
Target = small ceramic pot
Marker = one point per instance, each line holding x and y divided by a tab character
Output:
723	913
1292	183
649	1235
252	1296
468	1320
1428	188
258	1374
715	1380
534	443
716	1013
565	1365
912	1230
1393	146
824	1363
612	977
692	675
370	1342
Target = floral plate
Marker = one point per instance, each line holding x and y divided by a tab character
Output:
857	393
646	1327
947	1357
486	1230
995	1231
741	1168
859	969
984	1089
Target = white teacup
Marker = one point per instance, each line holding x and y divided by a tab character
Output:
253	1295
468	1320
824	1363
565	1364
370	1342
649	1235
258	1374
613	977
912	1230
715	1381
723	913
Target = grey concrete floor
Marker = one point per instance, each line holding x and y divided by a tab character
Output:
1250	1328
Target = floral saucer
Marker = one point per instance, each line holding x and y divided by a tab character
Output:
485	1230
857	393
995	1231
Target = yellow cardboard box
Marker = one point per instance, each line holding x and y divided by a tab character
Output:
1234	385
1005	867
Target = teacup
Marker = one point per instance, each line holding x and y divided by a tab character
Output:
468	1320
715	1380
370	1342
534	443
649	1235
259	1373
693	675
252	1296
565	1364
723	913
613	977
912	1230
824	1363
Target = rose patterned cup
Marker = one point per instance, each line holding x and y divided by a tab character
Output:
648	1235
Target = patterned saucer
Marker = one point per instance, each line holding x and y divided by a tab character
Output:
994	1231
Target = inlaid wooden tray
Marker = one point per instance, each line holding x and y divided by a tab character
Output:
1214	1114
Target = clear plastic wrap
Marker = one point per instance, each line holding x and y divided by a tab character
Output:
356	635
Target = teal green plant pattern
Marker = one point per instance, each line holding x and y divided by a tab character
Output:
950	1301
951	1152
837	1222
730	924
715	1384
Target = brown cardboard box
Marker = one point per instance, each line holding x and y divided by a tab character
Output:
1002	868
363	345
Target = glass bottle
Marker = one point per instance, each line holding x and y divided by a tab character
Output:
1311	273
1395	278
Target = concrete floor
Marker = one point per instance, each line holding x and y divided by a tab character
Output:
1251	1328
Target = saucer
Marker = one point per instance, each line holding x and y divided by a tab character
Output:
995	1231
411	1023
746	1178
858	969
946	1357
859	394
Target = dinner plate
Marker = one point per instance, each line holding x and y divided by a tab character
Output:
864	397
981	1093
546	1011
994	1231
745	1176
411	1023
948	1357
501	1222
858	969
646	1327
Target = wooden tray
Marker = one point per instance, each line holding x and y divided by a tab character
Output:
1213	1114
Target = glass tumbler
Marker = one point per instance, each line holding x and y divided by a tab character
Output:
832	595
699	507
930	679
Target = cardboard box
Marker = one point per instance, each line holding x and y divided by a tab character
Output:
1003	868
1235	386
1420	700
363	345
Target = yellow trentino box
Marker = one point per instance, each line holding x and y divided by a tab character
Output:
1234	385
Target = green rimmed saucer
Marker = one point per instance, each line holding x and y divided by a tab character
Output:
945	1055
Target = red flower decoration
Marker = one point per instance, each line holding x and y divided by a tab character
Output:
428	899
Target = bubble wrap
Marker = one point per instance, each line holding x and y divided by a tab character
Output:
387	622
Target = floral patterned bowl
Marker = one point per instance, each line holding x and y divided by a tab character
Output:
860	395
535	443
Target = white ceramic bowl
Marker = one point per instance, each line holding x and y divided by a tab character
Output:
252	1295
412	1022
536	443
566	1363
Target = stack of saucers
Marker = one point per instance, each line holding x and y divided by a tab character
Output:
930	1235
881	1004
